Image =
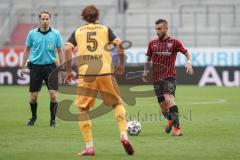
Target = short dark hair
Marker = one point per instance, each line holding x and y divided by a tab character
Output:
44	12
90	14
161	21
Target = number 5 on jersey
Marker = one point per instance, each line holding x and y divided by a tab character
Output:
92	42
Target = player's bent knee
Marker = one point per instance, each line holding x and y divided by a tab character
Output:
168	100
32	101
163	107
81	109
84	114
53	97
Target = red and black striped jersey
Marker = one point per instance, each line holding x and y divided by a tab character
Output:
163	54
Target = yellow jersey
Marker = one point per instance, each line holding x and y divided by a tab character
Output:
93	52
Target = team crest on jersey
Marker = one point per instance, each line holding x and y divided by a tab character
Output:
169	45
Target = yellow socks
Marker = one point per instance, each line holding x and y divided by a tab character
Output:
120	114
86	125
86	130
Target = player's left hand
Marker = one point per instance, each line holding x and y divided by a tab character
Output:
189	69
144	76
69	77
120	69
22	72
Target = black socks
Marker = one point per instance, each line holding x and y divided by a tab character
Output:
34	109
173	111
53	110
167	115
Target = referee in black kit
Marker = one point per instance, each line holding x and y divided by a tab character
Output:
41	44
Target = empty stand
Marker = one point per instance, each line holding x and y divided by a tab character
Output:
19	34
196	22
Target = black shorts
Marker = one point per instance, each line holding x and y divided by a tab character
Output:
40	73
165	86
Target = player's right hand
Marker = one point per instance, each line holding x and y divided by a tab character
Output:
144	77
189	69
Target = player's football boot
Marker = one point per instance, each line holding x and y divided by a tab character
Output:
52	123
168	126
31	121
177	131
87	152
127	146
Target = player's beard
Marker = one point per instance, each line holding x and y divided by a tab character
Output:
161	36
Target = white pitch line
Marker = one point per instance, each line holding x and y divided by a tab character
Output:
210	101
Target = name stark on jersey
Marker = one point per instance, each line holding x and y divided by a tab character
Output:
91	57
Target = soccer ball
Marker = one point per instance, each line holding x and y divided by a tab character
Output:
134	128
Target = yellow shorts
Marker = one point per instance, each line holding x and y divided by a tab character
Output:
89	86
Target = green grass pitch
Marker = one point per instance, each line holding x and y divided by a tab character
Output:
210	119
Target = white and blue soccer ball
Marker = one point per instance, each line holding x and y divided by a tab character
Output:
134	128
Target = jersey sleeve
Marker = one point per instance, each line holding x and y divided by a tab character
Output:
72	40
180	47
59	41
111	35
149	50
29	41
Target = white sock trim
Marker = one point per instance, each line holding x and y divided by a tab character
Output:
124	135
89	144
